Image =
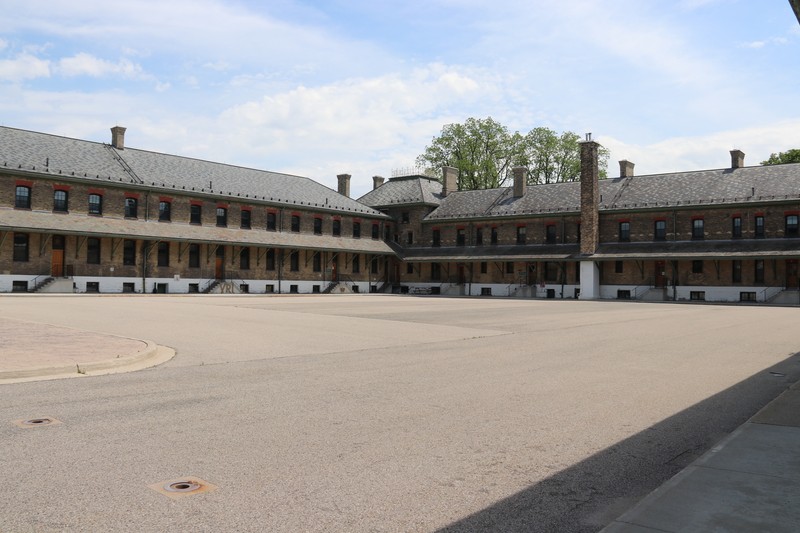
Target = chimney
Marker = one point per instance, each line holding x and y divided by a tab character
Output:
118	137
737	159
344	184
520	181
625	169
377	181
449	180
590	196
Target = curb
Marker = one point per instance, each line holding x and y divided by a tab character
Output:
152	353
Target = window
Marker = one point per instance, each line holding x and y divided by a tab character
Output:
21	244
521	234
271	259
436	271
578	229
92	286
356	264
245	220
410	237
294	261
93	251
293	289
317	226
128	287
493	237
195	214
295	223
409	268
244	258
461	237
315	289
623	294
404	217
747	296
163	254
374	265
484	267
698	228
337	228
509	267
22	198
437	237
550	271
61	201
759	227
194	255
624	231
129	252
269	288
486	291
164	209
356	230
791	226
759	271
736	227
376	231
697	266
131	207
317	262
95	204
550	234
479	236
272	221
618	267
697	296
222	217
660	230
737	272
244	288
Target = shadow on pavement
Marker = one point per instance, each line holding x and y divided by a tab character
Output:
592	493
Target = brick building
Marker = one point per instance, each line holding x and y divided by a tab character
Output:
95	217
88	216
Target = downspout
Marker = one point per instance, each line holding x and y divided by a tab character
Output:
144	267
280	264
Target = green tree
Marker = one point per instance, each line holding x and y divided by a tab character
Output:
553	158
789	156
482	150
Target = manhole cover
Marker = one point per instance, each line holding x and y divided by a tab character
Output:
36	422
182	486
186	486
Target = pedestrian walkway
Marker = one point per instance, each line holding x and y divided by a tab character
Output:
31	351
750	481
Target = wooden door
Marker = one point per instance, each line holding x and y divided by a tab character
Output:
792	273
661	274
57	264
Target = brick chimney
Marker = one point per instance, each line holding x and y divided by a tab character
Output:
590	197
118	137
737	159
377	181
625	169
344	184
520	181
449	180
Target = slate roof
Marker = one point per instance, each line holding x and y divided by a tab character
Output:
698	188
28	151
46	221
407	190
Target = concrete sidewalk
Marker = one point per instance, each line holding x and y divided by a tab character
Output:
750	481
31	351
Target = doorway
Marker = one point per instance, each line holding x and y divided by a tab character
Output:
660	274
219	265
57	256
792	274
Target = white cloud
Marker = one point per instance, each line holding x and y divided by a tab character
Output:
84	64
704	152
3	44
24	67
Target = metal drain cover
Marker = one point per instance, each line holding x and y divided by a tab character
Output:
37	422
186	486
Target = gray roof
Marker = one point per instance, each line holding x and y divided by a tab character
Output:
699	188
46	221
54	155
407	190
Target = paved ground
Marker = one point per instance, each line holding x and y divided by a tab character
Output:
381	413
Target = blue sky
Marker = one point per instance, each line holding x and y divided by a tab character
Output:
322	88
